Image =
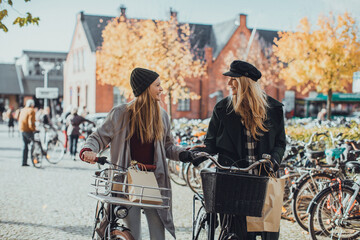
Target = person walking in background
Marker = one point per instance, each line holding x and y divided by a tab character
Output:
27	127
11	121
243	127
73	122
140	130
64	127
321	115
83	111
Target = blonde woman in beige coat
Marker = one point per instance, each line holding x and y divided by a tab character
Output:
140	130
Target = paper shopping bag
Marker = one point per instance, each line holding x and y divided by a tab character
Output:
271	215
143	187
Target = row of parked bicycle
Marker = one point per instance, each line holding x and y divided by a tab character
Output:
322	188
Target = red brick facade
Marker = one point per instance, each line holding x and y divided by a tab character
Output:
104	97
215	81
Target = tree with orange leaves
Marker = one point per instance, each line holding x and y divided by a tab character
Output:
162	46
323	59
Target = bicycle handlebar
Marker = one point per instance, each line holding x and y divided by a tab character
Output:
252	166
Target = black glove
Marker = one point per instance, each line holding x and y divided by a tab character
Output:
189	156
186	156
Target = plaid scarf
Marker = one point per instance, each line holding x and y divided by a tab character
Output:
250	146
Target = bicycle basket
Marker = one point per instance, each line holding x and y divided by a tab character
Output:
112	186
231	193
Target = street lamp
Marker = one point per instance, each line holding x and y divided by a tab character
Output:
47	66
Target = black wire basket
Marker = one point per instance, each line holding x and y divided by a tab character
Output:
233	193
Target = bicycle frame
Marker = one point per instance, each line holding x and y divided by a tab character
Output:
356	187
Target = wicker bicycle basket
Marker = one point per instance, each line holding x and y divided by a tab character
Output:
233	193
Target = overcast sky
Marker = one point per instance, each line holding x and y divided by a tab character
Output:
57	17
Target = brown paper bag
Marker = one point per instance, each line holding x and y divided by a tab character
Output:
146	179
271	214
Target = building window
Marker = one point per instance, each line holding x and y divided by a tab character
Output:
71	95
37	69
118	97
184	104
78	96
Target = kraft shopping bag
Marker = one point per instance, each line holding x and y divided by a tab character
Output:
271	214
142	187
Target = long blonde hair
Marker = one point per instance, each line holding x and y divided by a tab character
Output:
145	118
251	104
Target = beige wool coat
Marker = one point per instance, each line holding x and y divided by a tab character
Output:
115	129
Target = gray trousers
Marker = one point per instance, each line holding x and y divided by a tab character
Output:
156	227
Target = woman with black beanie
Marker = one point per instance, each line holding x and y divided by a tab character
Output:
140	130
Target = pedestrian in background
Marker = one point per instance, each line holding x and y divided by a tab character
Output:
140	130
73	122
243	127
11	121
83	111
27	127
64	127
321	115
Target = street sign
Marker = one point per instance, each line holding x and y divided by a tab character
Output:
49	93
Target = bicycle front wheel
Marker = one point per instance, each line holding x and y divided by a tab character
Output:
36	155
307	190
200	225
327	215
55	151
176	172
193	178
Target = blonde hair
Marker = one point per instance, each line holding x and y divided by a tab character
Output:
251	104
145	118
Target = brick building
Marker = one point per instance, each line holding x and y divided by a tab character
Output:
213	42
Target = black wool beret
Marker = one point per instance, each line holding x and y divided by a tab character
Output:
240	68
141	79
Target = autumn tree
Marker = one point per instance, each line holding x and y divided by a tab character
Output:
259	53
323	59
21	21
162	46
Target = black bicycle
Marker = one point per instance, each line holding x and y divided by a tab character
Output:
220	187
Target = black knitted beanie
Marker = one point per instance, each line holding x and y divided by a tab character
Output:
141	79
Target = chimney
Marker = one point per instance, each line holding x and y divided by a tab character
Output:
81	16
122	11
243	19
173	15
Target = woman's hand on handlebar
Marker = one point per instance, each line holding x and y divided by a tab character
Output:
89	156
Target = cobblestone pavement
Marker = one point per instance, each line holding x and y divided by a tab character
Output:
52	202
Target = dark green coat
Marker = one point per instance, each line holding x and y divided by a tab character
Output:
226	134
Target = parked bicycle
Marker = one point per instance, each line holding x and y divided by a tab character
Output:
335	212
206	220
53	151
